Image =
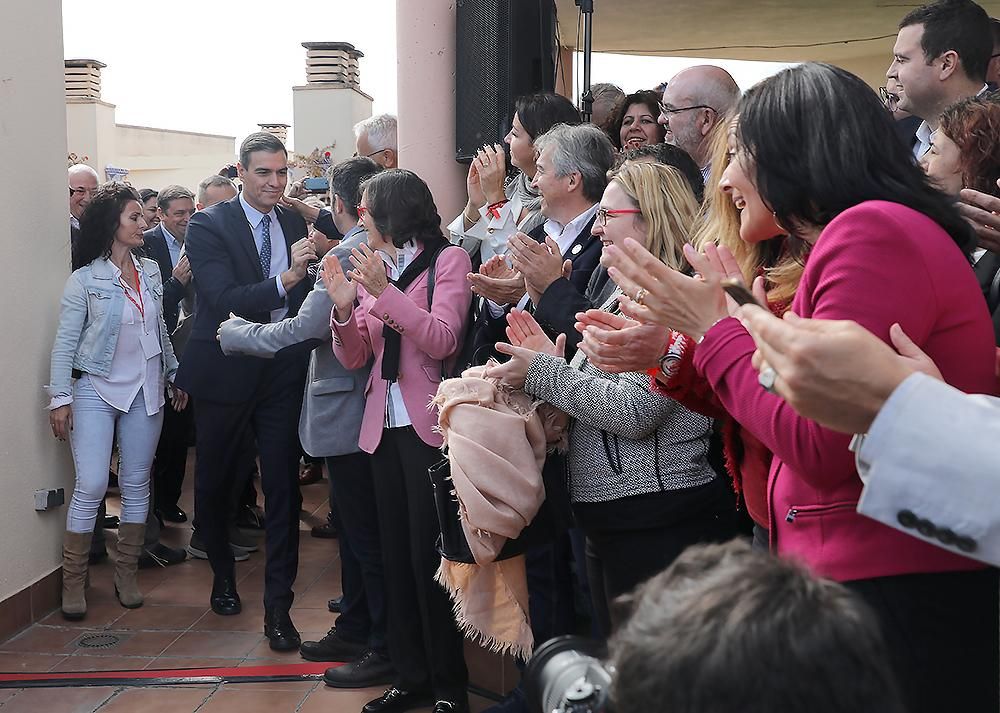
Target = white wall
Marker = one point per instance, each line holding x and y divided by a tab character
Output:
159	157
325	116
35	241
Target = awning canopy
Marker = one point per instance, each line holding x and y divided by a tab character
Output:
855	34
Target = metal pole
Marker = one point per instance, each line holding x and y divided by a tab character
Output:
587	98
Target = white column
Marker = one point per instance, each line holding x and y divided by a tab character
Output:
425	47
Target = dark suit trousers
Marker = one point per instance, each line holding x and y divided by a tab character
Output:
171	456
424	642
273	414
363	610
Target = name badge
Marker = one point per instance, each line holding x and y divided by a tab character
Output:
150	344
576	249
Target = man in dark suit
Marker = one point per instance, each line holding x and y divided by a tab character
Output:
164	243
249	258
571	175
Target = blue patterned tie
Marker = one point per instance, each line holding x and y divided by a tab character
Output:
265	246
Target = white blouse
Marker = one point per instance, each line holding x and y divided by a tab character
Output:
135	365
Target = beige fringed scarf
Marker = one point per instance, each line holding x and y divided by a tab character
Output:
496	443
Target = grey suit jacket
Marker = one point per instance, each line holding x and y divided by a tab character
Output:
334	401
931	467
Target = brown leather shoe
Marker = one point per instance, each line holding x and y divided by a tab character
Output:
310	473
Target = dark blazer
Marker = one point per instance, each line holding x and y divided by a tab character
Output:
155	248
584	253
228	278
557	308
988	274
907	130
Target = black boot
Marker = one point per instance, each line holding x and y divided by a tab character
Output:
225	599
278	627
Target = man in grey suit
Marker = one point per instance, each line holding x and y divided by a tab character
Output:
329	425
928	454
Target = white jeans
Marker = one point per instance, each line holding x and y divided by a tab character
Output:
92	438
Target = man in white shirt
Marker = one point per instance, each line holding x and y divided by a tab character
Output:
929	456
941	55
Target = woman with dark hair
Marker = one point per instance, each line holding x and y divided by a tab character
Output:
149	199
880	246
499	206
636	123
111	357
413	329
965	149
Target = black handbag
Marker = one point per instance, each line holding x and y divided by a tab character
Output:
452	544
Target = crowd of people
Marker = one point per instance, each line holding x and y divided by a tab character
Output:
770	316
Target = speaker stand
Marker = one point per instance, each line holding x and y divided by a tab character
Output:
587	98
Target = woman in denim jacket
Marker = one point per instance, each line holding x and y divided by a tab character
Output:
110	360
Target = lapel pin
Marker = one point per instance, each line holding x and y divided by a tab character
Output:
576	249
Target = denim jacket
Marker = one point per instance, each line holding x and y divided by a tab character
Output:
89	320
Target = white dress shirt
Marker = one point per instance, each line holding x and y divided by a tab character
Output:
173	246
279	251
565	236
396	414
136	362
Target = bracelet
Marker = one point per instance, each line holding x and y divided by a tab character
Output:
493	209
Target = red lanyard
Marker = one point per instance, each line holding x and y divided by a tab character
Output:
138	290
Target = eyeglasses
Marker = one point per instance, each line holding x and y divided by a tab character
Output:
369	155
669	112
81	191
604	213
890	100
361	211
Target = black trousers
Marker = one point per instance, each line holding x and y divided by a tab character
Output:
424	642
363	610
171	456
273	414
941	633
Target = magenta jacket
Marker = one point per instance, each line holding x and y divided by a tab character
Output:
876	263
429	338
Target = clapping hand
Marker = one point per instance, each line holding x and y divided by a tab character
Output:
526	339
617	344
540	263
498	282
342	291
983	213
491	165
369	270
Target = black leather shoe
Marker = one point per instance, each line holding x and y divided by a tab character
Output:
395	700
332	647
370	670
326	531
445	706
110	522
335	605
160	554
225	599
250	518
172	513
280	630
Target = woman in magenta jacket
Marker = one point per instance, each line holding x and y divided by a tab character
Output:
881	246
382	310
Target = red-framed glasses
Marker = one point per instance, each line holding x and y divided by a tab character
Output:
361	211
604	213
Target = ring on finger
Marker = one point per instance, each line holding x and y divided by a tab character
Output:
766	379
640	295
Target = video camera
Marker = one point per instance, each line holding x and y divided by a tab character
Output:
566	675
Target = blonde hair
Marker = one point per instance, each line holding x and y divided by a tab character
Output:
668	208
719	222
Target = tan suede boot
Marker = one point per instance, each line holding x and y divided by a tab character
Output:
130	538
76	550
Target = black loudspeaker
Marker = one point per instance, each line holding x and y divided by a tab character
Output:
506	48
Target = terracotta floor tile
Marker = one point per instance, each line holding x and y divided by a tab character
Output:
136	643
101	614
342	700
263	651
250	620
181	593
103	663
29	663
163	618
210	644
157	700
230	701
303	687
181	662
58	700
313	619
42	639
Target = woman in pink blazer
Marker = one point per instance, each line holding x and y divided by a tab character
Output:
816	152
382	309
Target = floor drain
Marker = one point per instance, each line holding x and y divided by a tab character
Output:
98	641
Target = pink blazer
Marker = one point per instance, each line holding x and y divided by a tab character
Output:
876	263
428	339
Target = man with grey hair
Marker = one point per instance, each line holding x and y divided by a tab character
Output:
695	101
214	189
83	182
375	138
606	98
